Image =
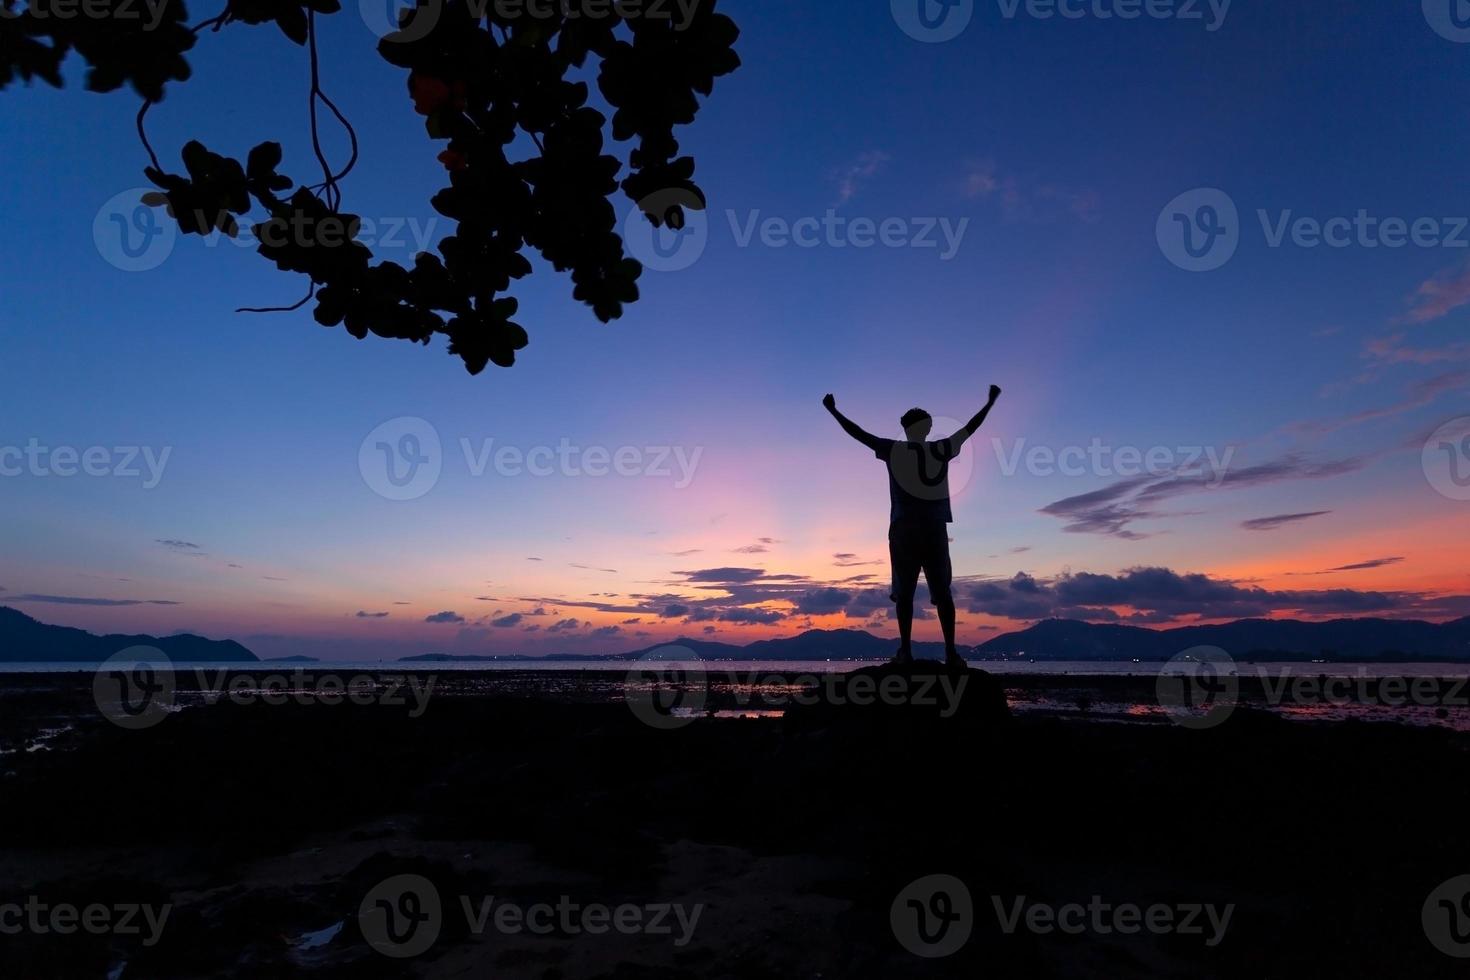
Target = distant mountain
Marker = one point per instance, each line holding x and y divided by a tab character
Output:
1261	639
24	639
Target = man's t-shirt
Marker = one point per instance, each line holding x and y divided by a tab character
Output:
918	480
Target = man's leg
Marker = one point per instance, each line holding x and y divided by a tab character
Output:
945	608
905	610
939	574
905	560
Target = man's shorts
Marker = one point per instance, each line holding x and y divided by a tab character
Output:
915	547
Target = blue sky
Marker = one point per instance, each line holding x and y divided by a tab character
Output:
1056	142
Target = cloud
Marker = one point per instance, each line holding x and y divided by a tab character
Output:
506	622
1113	509
686	554
750	549
1025	199
1370	563
674	610
445	617
607	631
844	559
1437	297
723	575
1280	520
564	625
535	559
371	615
822	602
1420	394
72	600
175	544
1161	595
851	177
589	568
751	616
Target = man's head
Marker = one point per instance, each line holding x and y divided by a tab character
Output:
916	424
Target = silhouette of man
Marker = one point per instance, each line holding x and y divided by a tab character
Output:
919	515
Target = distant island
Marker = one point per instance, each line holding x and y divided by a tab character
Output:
23	639
1285	640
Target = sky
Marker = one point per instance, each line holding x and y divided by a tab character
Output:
1217	257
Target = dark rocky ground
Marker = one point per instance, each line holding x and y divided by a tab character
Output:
260	824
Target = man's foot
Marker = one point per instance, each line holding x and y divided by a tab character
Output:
953	661
902	658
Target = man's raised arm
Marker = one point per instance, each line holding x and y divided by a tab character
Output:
963	435
851	427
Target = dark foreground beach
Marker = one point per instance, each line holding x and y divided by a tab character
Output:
524	827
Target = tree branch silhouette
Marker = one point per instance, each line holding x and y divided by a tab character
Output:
476	92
